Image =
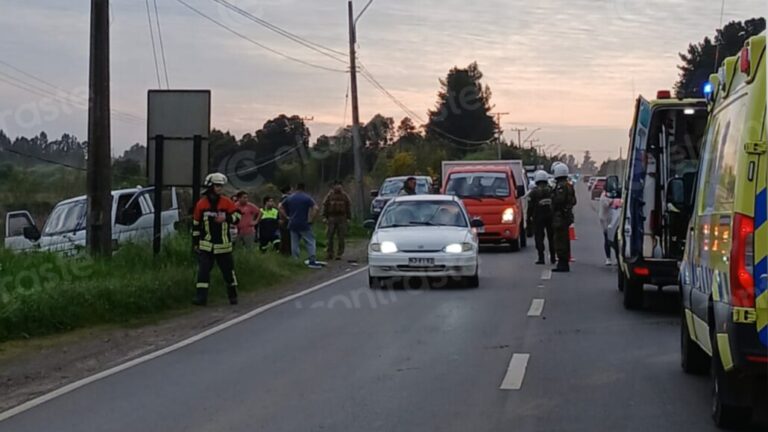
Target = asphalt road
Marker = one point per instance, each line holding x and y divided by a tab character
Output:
347	359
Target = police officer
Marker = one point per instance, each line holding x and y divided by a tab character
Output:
563	201
540	215
214	214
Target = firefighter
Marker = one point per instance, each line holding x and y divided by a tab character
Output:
563	201
540	215
213	216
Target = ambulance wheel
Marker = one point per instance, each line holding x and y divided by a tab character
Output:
514	245
725	414
621	279
693	359
633	294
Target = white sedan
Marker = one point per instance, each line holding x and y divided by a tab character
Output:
424	236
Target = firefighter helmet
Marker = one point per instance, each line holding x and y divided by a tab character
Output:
215	179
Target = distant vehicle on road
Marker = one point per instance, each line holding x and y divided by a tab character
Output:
492	191
64	231
391	187
665	146
598	188
591	183
423	236
724	272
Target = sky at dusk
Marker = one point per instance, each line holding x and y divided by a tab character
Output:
569	67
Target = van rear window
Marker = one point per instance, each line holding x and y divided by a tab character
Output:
478	185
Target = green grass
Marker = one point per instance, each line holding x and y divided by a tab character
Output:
42	293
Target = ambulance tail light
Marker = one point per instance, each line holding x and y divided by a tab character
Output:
744	64
663	94
742	258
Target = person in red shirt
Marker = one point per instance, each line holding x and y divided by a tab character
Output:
250	216
211	238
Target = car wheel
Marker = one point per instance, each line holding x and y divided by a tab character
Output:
523	237
621	279
633	294
374	283
472	281
693	359
514	245
725	415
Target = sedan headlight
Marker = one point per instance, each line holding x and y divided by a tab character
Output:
456	248
386	247
508	216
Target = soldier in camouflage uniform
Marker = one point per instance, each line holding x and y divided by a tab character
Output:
540	215
563	201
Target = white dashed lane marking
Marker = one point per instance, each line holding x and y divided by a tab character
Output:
546	275
537	307
513	380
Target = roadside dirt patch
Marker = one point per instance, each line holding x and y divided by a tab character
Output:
29	369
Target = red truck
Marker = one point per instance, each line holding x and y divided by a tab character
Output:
494	192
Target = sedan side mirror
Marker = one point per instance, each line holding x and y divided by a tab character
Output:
520	191
32	233
477	223
374	193
370	224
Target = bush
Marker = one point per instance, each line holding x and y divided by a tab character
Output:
43	293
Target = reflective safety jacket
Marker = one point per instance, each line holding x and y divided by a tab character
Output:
209	235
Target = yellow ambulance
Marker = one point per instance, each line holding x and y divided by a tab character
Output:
723	277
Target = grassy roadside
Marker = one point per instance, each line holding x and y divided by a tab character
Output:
42	293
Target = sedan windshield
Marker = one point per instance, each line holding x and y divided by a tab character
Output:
479	185
423	213
392	188
66	218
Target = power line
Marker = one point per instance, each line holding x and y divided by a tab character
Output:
254	42
154	48
42	159
162	45
328	52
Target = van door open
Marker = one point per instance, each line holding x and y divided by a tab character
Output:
21	234
635	184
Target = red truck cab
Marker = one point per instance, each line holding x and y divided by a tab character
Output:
490	193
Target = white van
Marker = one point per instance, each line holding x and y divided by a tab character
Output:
64	231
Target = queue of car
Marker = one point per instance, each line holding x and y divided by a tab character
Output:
695	216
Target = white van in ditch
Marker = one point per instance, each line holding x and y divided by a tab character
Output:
64	231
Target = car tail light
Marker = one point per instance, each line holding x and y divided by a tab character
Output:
758	359
642	271
742	258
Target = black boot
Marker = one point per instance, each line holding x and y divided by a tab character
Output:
232	293
201	297
562	268
541	260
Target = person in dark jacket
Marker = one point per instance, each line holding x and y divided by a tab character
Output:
214	214
337	212
563	202
540	216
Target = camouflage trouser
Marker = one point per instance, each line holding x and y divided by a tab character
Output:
337	230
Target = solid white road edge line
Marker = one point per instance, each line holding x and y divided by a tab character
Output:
117	369
513	380
537	307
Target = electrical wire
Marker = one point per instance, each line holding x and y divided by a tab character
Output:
42	159
154	48
162	46
328	52
254	42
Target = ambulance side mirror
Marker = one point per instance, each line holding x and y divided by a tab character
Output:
612	186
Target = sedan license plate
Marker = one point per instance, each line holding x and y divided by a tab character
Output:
421	262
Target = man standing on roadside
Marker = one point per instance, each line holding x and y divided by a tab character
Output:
563	201
299	209
285	234
337	211
250	215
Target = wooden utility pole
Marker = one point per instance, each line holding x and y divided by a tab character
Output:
99	177
356	142
519	135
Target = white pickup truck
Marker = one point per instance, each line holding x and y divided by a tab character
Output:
64	231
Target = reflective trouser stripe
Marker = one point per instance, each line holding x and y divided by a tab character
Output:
724	347
208	230
203	285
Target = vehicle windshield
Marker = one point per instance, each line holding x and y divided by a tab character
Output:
66	218
479	185
393	187
423	213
